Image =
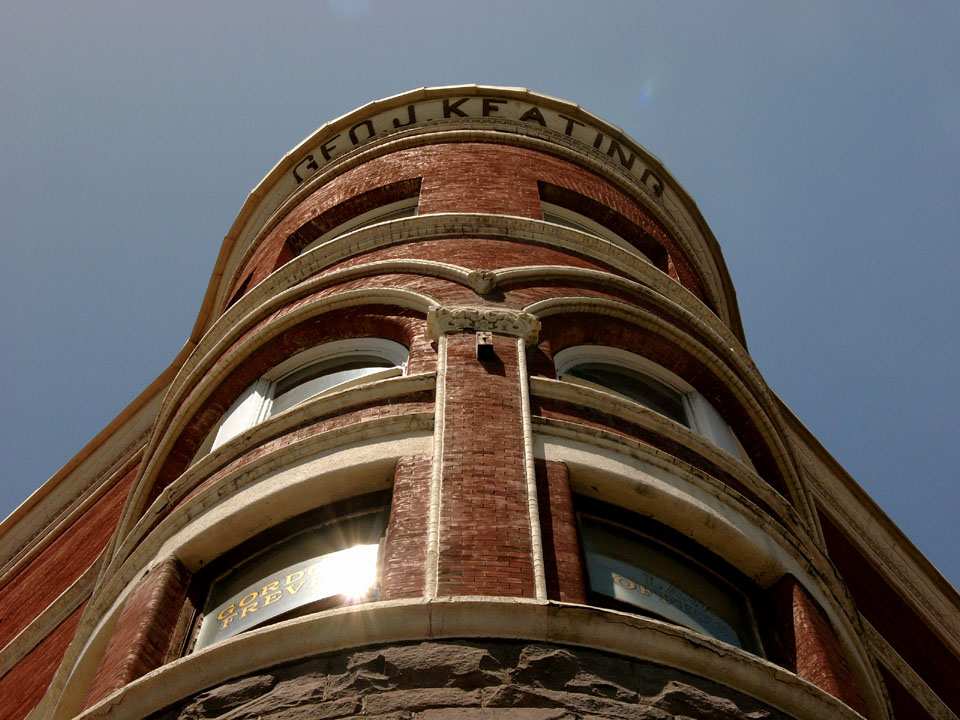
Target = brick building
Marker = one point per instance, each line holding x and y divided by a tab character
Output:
466	426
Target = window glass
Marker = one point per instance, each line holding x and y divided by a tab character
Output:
392	211
322	566
639	387
320	376
638	571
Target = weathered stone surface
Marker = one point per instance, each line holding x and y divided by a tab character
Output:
289	694
681	694
420	699
219	700
497	714
584	672
471	680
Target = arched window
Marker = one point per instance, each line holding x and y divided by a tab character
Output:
654	387
632	565
568	218
325	368
383	213
320	560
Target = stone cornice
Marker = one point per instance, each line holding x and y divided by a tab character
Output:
443	319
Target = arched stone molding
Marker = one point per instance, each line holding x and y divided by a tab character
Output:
479	618
446	225
517	134
641	416
674	206
179	408
614	468
753	397
310	473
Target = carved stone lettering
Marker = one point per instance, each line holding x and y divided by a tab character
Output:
627	162
308	163
368	124
534	115
327	147
411	117
568	130
657	186
490	106
453	108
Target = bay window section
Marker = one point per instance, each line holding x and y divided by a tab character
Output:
325	565
629	375
333	366
636	572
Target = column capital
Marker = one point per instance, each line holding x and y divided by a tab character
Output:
445	319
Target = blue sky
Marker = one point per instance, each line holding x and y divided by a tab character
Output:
821	141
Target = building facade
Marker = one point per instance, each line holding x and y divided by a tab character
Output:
466	426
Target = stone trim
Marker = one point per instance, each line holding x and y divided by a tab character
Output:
755	398
530	471
171	423
431	573
467	617
914	684
872	539
637	414
790	553
55	613
447	319
673	206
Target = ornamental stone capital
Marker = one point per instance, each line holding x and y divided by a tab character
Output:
443	319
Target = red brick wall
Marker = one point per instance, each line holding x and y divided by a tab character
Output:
905	707
893	618
24	685
58	565
811	643
405	550
469	177
484	522
142	633
563	564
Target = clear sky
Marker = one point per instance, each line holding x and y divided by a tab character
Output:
821	141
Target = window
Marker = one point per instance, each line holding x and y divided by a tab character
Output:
331	366
629	569
568	218
648	384
391	211
309	564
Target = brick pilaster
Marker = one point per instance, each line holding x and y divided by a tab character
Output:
484	522
558	523
810	642
143	631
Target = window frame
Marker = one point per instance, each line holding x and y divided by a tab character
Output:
684	550
255	404
396	210
559	215
702	417
202	583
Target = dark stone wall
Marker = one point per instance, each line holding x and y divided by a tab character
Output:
471	680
